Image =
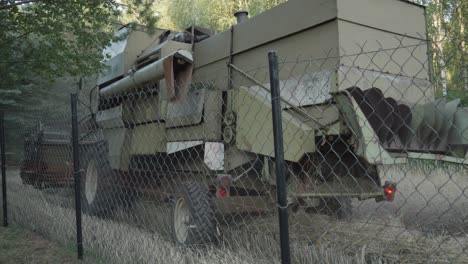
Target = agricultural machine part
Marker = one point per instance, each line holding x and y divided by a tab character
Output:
176	68
436	127
377	136
389	189
224	183
97	196
193	218
46	162
241	16
339	207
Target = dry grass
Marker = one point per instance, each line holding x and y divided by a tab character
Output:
21	246
142	235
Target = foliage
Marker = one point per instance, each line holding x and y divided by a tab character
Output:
44	41
216	15
55	38
447	23
141	12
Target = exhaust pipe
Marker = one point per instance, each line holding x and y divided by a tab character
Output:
241	16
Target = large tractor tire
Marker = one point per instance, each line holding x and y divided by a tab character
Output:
194	220
97	195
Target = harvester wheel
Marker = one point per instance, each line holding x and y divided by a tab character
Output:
96	196
193	218
339	207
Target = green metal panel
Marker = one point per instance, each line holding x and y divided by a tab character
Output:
388	15
212	49
124	53
316	30
143	109
317	48
404	56
118	140
283	20
430	156
401	88
187	111
141	140
254	132
110	118
302	15
366	141
138	42
148	139
459	132
323	116
209	129
311	43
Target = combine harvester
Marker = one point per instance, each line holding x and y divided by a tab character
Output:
182	118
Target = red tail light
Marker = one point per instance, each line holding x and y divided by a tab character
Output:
223	184
389	190
222	193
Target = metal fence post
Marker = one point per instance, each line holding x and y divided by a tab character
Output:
3	160
279	157
76	174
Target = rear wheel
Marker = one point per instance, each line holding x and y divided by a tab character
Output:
97	196
193	218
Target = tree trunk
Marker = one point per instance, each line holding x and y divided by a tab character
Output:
464	58
438	44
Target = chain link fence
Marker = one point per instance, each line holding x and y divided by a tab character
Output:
375	156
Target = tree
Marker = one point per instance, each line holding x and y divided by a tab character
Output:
216	15
46	45
447	22
41	40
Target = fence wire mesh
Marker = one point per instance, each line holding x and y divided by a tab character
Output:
184	172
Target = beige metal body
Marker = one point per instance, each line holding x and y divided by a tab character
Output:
223	106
